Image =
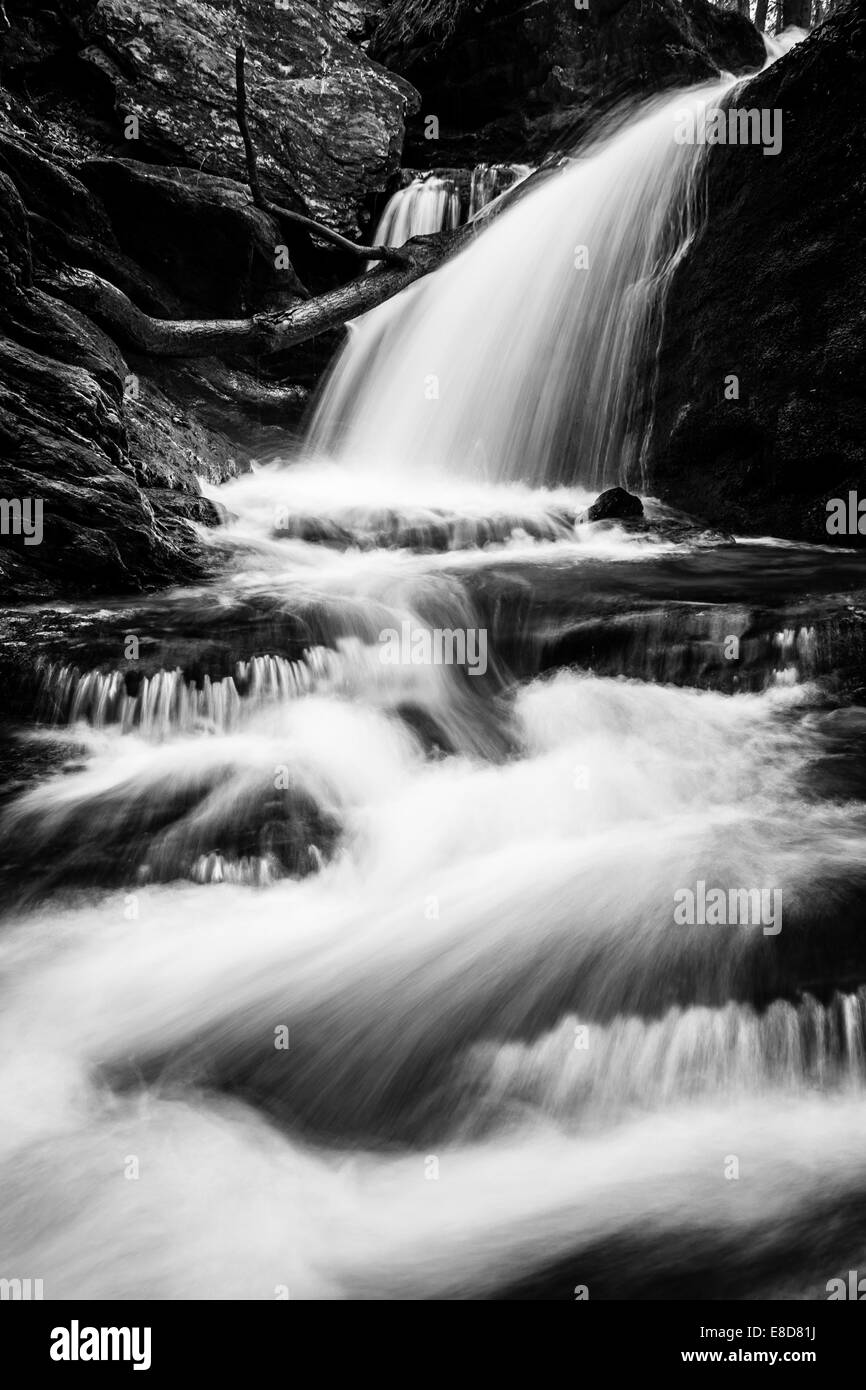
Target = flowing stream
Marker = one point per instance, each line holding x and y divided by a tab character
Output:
331	975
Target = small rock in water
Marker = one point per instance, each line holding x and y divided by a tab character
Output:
615	502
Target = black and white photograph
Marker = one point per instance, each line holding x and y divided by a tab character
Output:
433	663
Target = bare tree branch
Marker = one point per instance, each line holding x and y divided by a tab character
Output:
241	116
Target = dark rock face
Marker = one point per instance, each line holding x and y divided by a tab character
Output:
326	120
73	441
511	81
773	293
197	234
109	444
615	502
85	434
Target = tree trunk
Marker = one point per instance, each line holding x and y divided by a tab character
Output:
264	333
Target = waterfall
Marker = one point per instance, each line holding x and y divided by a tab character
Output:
687	1054
429	204
777	45
292	928
524	356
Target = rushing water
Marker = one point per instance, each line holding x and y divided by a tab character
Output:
429	204
353	979
523	358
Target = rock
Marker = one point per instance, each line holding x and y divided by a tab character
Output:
172	505
326	120
16	262
77	443
111	444
513	82
197	235
225	811
614	503
67	224
772	293
64	445
170	448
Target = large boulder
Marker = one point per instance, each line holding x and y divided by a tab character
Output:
511	81
326	120
772	293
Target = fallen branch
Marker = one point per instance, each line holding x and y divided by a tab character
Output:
393	255
113	310
264	333
269	332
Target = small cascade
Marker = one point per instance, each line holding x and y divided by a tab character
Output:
427	204
441	200
777	45
584	1070
167	701
253	872
721	649
797	655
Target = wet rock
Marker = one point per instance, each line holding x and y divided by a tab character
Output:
120	154
327	122
16	265
78	449
181	504
225	812
614	503
512	82
197	235
777	319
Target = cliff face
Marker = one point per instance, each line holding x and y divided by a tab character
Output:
773	293
511	81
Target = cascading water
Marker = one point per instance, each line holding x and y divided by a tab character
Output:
431	202
425	205
777	45
372	969
524	357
